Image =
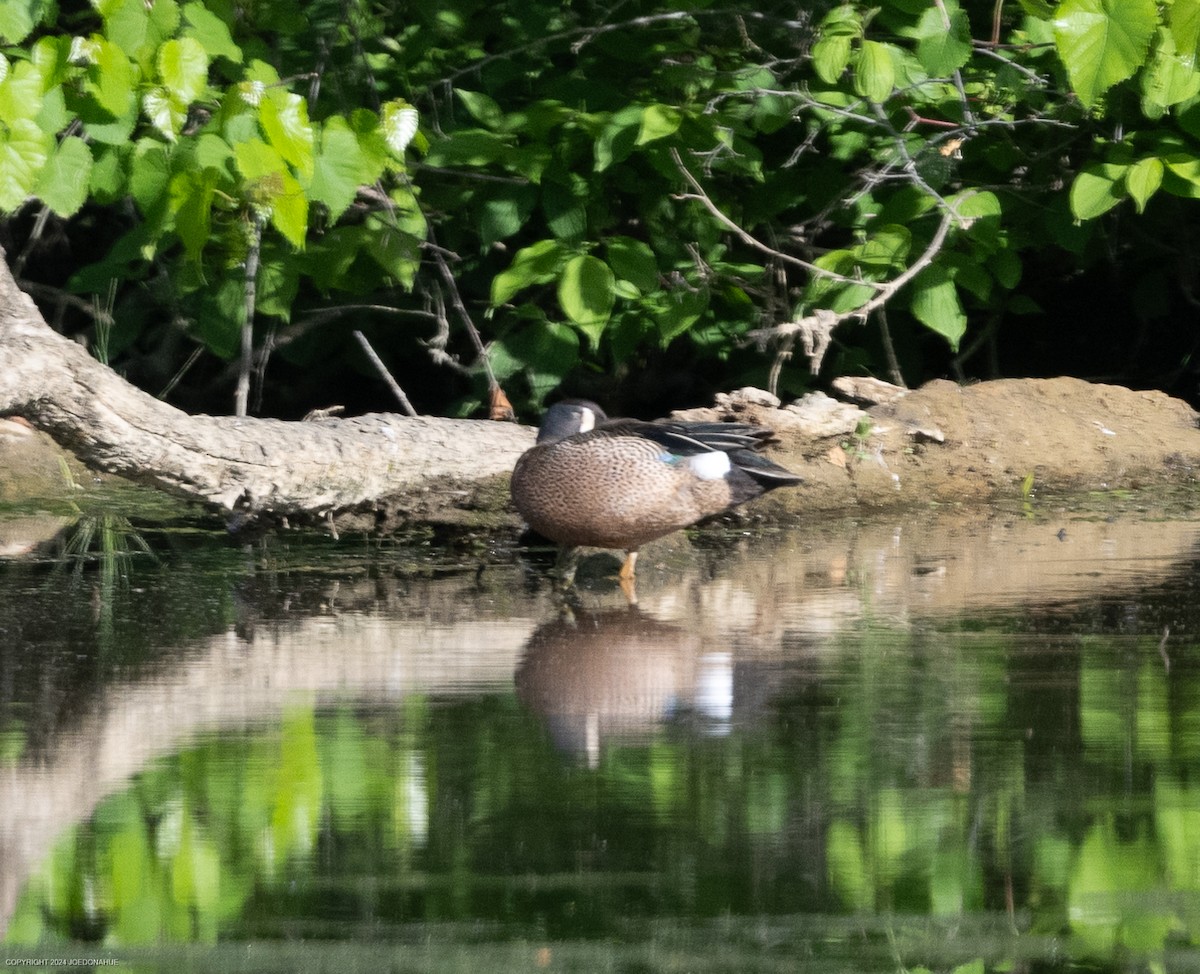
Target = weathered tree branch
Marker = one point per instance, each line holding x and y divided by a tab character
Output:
260	466
816	328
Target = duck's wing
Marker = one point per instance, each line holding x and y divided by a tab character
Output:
689	439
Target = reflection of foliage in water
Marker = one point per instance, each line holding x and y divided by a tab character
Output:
970	778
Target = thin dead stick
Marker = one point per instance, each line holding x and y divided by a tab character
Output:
456	302
889	350
241	397
387	376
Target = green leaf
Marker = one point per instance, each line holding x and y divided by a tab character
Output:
935	304
505	212
633	261
125	24
149	171
289	211
284	118
474	148
400	123
658	121
483	108
256	160
942	51
831	56
21	93
183	69
563	205
1103	42
1169	78
538	263
191	202
337	168
1143	179
17	19
1095	189
164	112
618	137
875	72
211	32
677	311
1182	175
63	183
1040	9
1183	20
23	151
397	252
585	293
111	79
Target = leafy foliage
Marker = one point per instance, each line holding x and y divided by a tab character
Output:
675	188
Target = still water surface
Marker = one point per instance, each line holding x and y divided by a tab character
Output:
939	741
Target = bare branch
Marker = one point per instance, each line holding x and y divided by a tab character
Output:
816	328
382	369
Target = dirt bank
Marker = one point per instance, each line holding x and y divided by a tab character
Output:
950	443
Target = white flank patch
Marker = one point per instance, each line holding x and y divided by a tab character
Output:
710	466
587	419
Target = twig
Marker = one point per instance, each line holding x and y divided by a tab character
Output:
387	376
889	350
456	302
241	397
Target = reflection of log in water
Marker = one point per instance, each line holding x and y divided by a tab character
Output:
229	682
619	673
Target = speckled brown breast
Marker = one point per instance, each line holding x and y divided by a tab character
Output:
610	491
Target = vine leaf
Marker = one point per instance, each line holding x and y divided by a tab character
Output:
1103	42
586	295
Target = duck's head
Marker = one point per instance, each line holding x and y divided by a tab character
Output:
569	417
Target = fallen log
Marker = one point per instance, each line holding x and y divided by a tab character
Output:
259	467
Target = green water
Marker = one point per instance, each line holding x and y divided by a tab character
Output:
967	744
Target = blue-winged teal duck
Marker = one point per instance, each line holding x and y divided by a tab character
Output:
619	483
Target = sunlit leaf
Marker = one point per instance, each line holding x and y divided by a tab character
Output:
63	183
337	168
1096	190
831	57
1102	42
875	72
211	32
23	151
658	121
284	119
538	263
585	293
1143	180
942	50
936	305
400	121
183	69
164	112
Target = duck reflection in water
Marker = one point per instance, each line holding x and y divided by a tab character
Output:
591	481
618	674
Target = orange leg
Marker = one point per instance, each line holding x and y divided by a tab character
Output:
627	579
627	570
